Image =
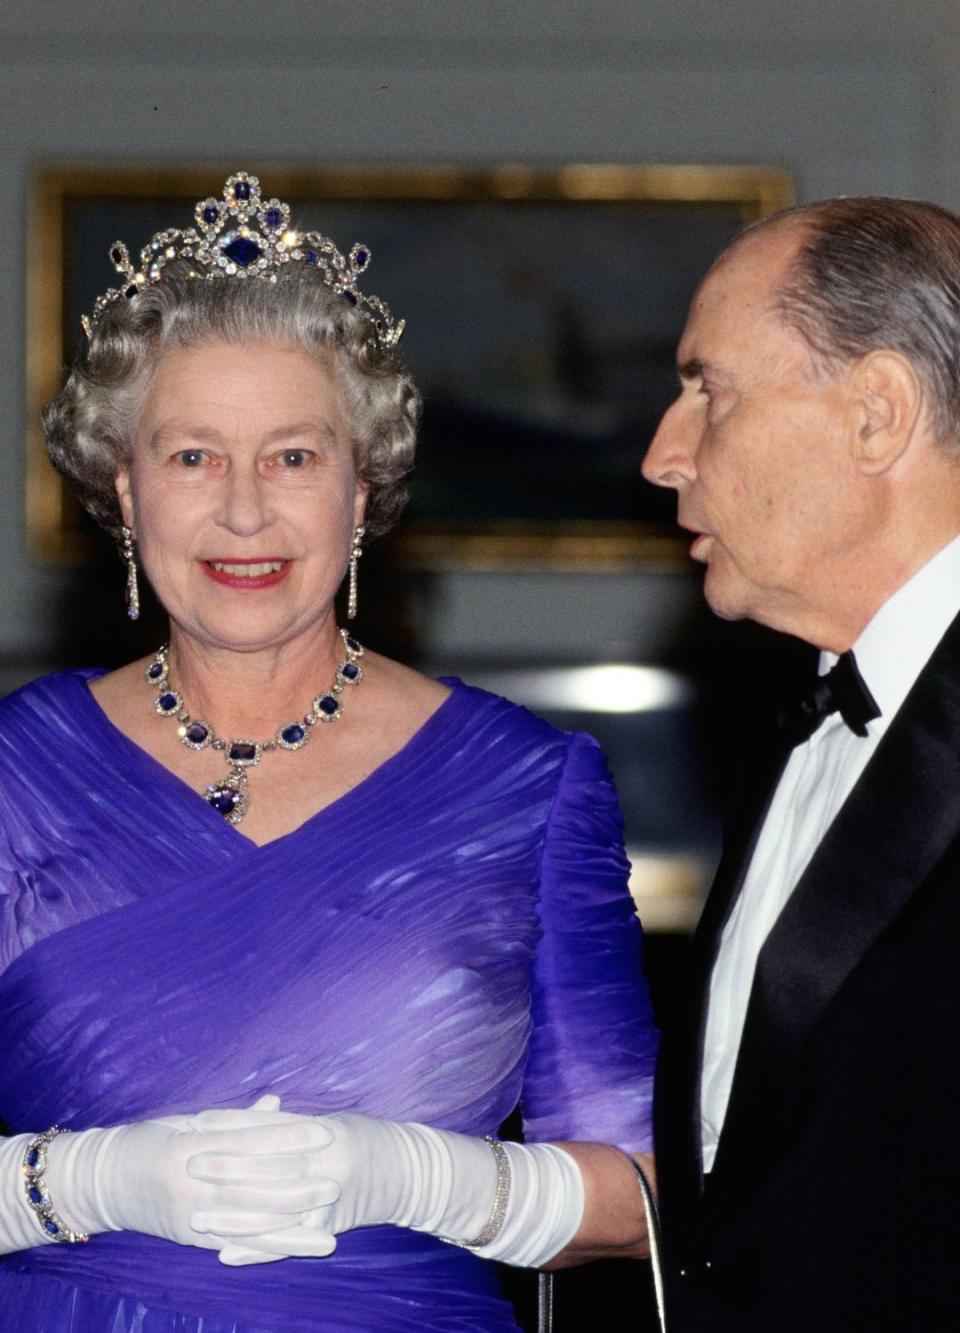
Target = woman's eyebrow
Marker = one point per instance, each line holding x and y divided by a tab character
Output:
182	430
319	430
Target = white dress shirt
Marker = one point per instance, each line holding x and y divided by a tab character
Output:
819	775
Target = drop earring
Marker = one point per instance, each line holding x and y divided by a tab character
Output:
133	591
356	551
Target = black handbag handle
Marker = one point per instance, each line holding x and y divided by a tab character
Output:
545	1291
544	1303
653	1236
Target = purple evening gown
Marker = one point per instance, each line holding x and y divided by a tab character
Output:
450	937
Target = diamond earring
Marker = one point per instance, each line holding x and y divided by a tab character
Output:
133	591
356	551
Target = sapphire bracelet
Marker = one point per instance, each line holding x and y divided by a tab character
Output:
37	1194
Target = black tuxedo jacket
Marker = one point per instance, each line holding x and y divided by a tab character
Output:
834	1202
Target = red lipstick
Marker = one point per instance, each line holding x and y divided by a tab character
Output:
268	574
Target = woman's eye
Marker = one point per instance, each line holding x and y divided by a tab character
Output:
191	457
293	457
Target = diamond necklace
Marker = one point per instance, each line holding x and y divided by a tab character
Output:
230	796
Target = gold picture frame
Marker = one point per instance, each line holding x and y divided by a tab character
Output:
61	193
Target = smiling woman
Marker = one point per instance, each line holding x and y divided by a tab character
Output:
242	476
402	924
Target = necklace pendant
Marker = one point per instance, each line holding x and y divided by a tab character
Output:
229	797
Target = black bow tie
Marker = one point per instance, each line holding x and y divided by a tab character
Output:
841	690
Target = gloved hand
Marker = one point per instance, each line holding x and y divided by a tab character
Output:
133	1177
436	1181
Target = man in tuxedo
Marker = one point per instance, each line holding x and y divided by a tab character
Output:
808	1108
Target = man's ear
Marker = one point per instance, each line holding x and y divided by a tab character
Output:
124	494
889	401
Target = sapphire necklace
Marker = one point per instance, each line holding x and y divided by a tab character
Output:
230	797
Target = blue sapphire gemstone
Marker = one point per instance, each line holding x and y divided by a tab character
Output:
197	733
33	1157
242	752
349	671
351	643
155	670
224	800
311	256
167	702
210	213
116	255
241	190
243	250
50	1226
34	1195
293	734
328	705
274	217
350	297
131	291
361	258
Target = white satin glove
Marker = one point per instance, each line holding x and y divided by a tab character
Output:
440	1182
134	1178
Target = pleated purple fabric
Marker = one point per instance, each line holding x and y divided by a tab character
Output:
450	937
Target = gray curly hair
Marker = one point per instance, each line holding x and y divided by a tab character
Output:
90	426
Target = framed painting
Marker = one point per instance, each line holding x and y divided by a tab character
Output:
542	310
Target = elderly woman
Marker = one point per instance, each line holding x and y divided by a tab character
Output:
288	929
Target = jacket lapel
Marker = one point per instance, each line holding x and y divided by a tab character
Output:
896	824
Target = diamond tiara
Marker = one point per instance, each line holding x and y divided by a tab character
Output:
242	236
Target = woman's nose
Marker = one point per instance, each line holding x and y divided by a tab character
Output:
245	510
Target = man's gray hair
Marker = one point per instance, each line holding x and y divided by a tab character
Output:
880	273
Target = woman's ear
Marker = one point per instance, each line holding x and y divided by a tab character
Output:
360	503
889	398
124	494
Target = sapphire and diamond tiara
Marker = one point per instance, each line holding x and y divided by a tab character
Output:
241	235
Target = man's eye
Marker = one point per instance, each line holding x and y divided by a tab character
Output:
191	457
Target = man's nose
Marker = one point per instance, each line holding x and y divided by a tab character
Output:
670	460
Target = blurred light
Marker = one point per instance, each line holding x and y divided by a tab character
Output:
667	889
614	687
